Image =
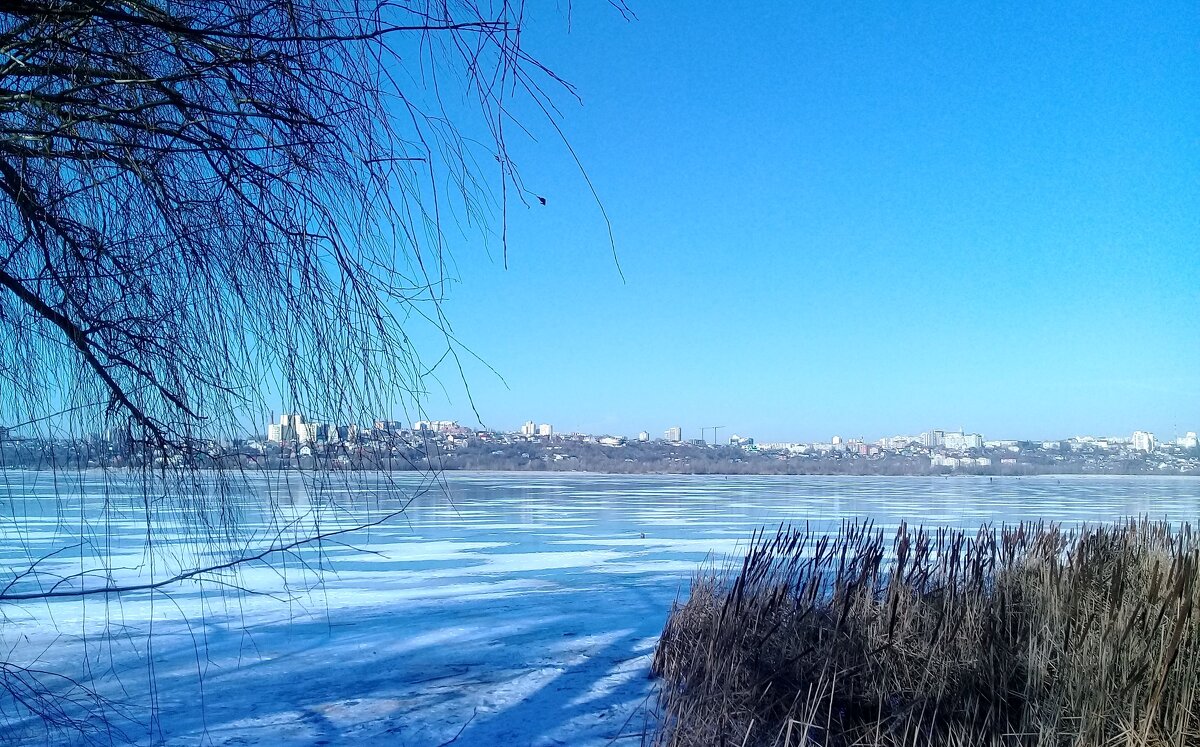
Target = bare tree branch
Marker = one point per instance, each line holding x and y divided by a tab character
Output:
197	572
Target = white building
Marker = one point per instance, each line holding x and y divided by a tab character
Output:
789	446
285	429
962	441
310	432
674	433
1143	441
529	429
643	436
545	429
1188	441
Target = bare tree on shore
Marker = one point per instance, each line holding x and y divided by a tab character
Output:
208	206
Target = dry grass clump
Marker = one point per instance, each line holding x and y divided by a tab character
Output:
1028	635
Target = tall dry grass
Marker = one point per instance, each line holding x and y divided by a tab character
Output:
1028	635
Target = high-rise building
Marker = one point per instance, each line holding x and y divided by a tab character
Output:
1143	441
933	439
674	433
310	432
959	441
285	430
529	428
545	429
643	436
1188	441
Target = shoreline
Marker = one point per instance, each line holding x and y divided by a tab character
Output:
594	473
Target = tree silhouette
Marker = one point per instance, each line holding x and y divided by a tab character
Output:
205	206
198	196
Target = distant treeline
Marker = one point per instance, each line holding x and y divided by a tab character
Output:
550	455
658	457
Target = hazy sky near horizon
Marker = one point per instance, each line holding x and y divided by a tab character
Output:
851	219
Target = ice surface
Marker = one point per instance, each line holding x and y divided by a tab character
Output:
500	609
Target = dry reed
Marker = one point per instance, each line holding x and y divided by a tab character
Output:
1025	635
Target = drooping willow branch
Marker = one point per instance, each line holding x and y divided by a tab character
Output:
193	573
198	199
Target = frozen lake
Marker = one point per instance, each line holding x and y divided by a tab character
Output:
501	608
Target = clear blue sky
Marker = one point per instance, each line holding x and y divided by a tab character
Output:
853	220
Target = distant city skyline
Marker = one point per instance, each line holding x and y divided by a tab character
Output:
298	427
686	434
549	427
